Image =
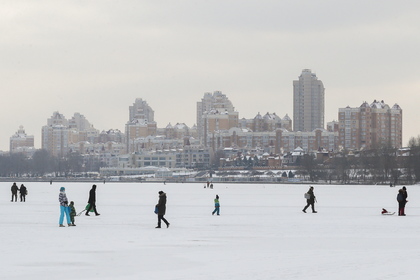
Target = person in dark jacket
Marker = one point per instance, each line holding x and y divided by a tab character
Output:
310	201
401	198
405	193
73	213
14	190
162	209
92	201
23	192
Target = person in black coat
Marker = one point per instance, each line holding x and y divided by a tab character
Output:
405	194
162	209
92	201
23	193
310	201
401	198
14	190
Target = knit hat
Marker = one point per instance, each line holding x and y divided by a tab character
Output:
62	189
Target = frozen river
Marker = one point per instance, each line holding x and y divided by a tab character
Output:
261	233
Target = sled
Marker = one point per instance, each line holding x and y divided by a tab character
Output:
388	213
86	208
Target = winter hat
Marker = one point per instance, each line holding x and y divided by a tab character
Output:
217	196
62	189
160	192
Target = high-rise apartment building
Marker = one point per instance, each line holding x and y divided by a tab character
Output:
141	123
214	112
140	110
308	102
371	125
55	135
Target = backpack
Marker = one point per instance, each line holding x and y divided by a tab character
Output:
307	195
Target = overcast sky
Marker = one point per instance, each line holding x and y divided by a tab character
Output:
97	57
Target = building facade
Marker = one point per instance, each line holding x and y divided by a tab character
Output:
140	124
55	135
370	125
308	102
20	142
217	108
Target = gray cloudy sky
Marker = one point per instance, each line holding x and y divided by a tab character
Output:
97	57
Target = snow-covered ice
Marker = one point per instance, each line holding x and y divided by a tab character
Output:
262	233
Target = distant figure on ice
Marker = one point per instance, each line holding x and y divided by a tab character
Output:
92	201
401	198
64	209
211	185
216	206
161	206
23	192
310	200
14	190
72	212
405	192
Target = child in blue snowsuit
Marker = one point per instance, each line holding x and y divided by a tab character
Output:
216	206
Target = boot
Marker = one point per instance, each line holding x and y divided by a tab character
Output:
61	225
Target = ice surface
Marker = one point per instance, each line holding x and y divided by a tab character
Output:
262	233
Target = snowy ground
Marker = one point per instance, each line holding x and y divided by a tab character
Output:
261	233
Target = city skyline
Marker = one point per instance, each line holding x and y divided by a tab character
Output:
96	58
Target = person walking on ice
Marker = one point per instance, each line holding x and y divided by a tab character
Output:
162	209
310	200
92	201
216	206
64	209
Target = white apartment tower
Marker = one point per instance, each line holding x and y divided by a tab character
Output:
308	102
55	135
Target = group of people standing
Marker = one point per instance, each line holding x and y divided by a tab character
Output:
22	190
67	209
